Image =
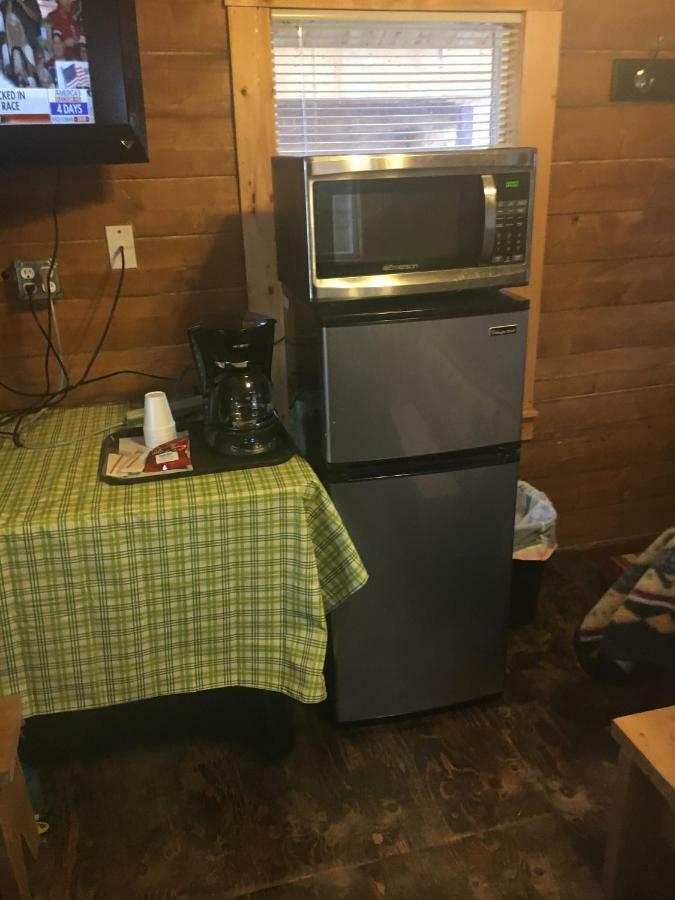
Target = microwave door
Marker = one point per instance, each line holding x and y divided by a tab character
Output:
388	226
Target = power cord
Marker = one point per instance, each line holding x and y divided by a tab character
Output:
51	399
40	402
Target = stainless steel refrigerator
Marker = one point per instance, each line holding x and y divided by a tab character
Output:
410	411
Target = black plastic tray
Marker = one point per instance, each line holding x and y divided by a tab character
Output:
205	461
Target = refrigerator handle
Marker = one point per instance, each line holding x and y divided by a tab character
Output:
490	197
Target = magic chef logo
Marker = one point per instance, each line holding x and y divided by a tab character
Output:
406	267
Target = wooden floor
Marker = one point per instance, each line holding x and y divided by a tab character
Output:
507	798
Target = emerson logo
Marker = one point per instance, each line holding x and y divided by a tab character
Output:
405	267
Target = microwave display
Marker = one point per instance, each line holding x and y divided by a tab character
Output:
389	225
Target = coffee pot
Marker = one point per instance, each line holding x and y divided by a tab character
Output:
234	360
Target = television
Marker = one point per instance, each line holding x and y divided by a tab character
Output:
70	83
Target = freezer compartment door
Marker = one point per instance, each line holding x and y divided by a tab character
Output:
397	389
429	628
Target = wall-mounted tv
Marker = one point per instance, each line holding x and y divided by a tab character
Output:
70	83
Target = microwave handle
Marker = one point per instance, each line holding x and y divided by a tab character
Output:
490	198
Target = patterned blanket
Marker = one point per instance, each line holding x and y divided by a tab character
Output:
634	621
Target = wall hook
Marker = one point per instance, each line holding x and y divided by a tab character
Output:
658	46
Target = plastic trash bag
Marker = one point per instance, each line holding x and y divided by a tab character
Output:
534	533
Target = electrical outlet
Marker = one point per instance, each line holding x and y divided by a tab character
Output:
31	278
121	236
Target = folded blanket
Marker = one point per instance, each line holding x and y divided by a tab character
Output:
635	619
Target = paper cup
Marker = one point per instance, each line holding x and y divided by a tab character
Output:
158	423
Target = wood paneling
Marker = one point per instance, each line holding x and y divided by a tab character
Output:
601	371
609	282
617	131
611	235
620	444
603	382
639	518
609	185
611	486
568	415
605	389
138	319
157	207
173	362
165	265
606	327
618	25
184	207
175	27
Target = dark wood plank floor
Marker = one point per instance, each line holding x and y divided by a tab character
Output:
506	798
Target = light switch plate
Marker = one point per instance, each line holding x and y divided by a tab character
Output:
121	236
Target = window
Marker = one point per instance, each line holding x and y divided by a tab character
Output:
359	82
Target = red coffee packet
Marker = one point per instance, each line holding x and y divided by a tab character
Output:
171	455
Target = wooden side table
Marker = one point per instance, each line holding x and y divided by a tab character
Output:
645	790
16	814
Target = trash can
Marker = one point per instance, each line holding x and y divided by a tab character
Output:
534	541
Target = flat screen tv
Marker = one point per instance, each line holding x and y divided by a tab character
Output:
70	83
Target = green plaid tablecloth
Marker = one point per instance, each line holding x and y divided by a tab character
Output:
115	593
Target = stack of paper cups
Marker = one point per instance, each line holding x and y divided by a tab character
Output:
158	424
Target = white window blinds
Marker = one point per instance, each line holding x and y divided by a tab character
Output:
351	82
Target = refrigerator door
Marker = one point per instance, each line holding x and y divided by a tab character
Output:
399	389
429	628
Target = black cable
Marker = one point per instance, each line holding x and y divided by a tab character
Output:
48	398
136	372
46	334
108	323
50	273
52	399
13	390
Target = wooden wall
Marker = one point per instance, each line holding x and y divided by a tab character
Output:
605	438
184	207
604	444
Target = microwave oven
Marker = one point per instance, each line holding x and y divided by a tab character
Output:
377	225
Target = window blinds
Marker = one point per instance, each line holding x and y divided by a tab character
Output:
353	83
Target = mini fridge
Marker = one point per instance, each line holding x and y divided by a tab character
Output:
410	411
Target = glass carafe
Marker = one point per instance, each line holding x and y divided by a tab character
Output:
241	420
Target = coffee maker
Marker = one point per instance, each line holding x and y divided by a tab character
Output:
234	362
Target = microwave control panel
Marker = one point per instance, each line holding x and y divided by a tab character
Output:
513	202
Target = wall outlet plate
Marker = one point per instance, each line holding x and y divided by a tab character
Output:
31	276
643	80
121	236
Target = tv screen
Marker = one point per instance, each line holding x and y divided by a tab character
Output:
70	82
44	75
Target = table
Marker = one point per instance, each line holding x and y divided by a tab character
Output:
645	790
115	593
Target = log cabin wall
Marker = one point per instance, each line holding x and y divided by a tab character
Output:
604	445
184	207
605	436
